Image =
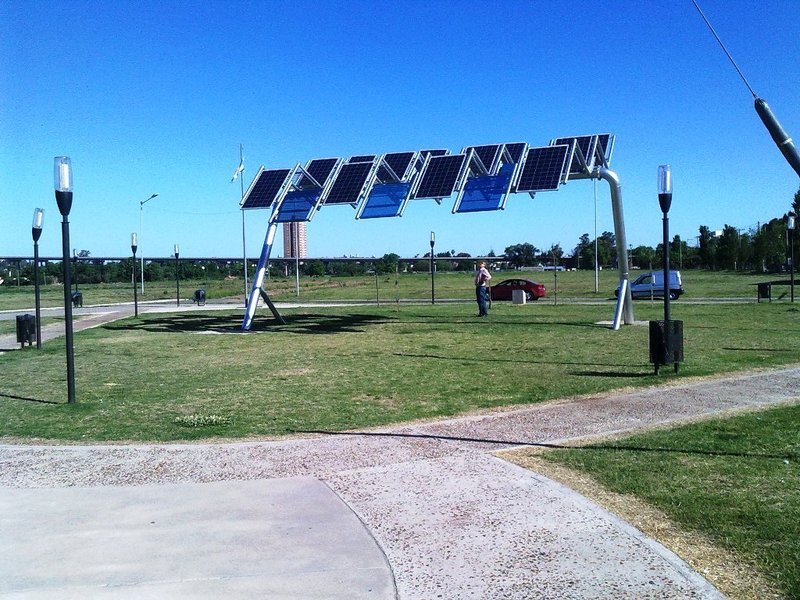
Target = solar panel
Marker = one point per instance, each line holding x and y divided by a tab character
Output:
349	183
320	169
265	188
515	151
298	205
385	200
441	175
486	154
543	169
605	145
399	163
488	192
361	158
586	144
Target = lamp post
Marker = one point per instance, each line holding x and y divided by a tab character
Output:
433	269
790	227
36	232
133	279
177	279
665	201
62	170
141	210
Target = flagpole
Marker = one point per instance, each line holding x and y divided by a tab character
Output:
244	245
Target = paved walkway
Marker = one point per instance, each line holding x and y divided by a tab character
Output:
415	512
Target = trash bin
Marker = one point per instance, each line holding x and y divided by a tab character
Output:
765	291
77	299
666	347
26	329
199	297
518	297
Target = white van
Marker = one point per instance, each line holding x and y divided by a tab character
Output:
651	285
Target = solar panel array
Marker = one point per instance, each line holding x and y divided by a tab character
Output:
265	188
440	176
482	175
543	169
349	183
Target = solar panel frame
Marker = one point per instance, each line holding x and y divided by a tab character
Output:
362	158
265	188
385	200
349	183
586	144
488	154
440	176
400	164
487	192
544	168
516	151
320	169
604	148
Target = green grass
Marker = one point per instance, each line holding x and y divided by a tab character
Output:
352	367
735	480
572	285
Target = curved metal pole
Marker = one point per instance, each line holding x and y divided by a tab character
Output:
624	309
258	277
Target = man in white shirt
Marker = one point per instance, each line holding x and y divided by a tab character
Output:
481	293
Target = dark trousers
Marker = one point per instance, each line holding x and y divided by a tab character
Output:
481	295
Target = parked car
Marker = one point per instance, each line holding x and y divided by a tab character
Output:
503	290
651	285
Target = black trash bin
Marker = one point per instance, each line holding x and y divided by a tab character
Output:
765	291
26	329
199	297
77	299
666	347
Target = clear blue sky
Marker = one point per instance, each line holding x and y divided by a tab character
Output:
157	96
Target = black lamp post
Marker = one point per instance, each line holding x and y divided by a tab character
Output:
36	232
134	246
790	227
433	269
63	189
177	280
665	201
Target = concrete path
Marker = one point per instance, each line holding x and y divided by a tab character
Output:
416	512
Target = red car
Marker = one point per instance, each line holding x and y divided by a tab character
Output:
502	291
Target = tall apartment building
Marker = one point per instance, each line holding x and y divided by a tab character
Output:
294	240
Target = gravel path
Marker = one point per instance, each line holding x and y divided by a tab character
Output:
454	520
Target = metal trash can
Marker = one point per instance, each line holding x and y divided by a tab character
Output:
77	299
765	291
666	348
26	329
199	297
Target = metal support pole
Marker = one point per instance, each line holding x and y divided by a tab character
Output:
135	294
37	295
433	270
68	309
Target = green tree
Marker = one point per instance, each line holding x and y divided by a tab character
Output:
521	255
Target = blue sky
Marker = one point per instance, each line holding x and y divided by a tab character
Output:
152	97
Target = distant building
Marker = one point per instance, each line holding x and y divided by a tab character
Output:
294	240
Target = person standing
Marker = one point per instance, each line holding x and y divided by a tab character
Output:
481	291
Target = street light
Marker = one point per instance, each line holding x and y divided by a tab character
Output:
790	227
134	245
62	171
141	210
177	280
433	269
36	232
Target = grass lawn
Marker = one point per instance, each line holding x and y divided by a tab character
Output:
159	377
735	481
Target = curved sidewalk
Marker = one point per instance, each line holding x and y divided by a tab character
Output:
415	512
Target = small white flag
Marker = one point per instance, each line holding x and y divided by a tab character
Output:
238	171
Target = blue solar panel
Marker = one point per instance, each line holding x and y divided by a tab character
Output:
440	176
361	158
605	144
486	154
398	162
349	183
265	188
488	192
544	168
320	169
385	200
298	205
515	151
586	144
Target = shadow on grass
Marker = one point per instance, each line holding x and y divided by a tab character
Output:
14	397
230	324
604	447
483	359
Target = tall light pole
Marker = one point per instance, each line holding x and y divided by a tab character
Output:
133	279
141	210
665	201
790	227
177	278
36	232
433	269
63	189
